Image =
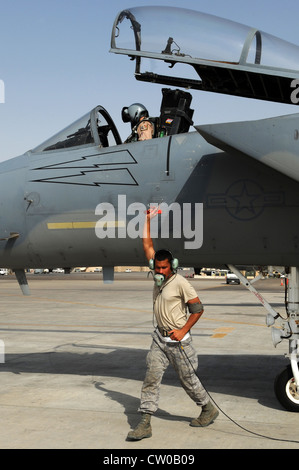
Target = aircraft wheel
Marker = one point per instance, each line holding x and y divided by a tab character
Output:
286	391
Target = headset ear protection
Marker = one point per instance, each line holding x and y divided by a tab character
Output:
174	263
160	278
151	264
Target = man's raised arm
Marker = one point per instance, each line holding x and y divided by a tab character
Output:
148	245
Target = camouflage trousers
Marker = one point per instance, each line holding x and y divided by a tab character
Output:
158	358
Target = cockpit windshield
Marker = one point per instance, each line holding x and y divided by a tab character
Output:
206	42
94	128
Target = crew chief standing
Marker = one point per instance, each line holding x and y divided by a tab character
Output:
172	342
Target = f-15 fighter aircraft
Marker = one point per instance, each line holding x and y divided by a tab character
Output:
228	193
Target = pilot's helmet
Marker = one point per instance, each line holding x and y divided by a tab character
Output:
134	113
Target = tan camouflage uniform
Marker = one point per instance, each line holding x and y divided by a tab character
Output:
159	357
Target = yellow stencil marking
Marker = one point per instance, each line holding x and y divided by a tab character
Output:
221	332
78	225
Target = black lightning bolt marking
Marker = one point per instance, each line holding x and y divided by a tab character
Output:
93	171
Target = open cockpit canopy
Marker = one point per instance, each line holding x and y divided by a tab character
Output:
227	57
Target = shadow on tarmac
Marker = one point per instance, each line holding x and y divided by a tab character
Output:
248	376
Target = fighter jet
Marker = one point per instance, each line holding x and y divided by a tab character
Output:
228	193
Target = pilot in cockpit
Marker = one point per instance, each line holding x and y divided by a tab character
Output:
142	126
145	129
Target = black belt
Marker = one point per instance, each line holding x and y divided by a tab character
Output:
164	333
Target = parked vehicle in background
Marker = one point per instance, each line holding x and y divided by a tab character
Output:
231	278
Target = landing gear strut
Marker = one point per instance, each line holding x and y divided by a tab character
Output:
286	384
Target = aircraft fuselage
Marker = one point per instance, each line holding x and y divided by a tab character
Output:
50	199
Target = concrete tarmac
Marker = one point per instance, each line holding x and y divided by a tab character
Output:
74	362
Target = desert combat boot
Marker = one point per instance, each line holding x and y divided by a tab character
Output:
208	414
142	430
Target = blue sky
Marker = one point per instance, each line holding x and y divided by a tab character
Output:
56	66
